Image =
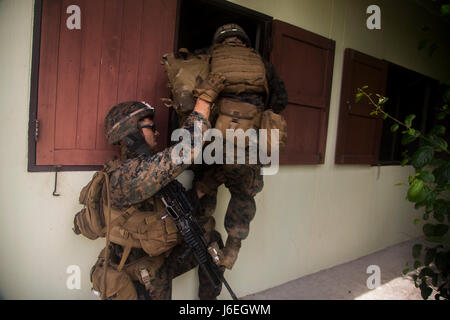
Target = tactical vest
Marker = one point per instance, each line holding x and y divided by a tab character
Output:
242	67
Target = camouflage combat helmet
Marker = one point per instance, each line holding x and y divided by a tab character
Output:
122	120
230	30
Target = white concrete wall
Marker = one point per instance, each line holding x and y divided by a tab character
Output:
308	217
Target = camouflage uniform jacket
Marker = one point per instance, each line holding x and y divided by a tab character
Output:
139	178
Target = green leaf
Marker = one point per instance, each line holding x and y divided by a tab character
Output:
441	260
425	291
409	119
422	195
440	240
426	272
422	157
442	174
438	130
407	139
441	206
365	87
439	216
405	271
426	176
433	140
415	189
404	161
358	96
428	229
434	279
416	249
441	115
445	9
419	205
394	127
417	264
440	230
443	144
415	277
429	256
382	100
416	221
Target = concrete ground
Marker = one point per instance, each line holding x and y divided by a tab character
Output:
351	281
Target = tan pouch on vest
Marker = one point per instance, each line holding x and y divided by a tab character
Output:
143	269
271	120
153	231
118	283
242	67
236	115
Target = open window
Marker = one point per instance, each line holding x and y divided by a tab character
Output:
199	19
409	92
367	139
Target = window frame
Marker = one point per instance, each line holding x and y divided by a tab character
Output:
33	126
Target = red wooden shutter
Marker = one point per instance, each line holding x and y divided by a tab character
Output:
359	133
114	57
304	61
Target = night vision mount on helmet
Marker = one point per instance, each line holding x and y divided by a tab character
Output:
230	30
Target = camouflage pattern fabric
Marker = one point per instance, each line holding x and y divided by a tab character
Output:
136	180
139	178
244	182
161	285
123	118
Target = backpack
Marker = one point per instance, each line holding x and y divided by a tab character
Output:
184	70
153	231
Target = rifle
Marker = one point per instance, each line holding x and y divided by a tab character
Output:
179	207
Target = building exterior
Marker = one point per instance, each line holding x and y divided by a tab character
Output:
311	215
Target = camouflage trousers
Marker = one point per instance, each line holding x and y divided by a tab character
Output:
161	285
243	181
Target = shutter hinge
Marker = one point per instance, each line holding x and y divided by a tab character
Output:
36	130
